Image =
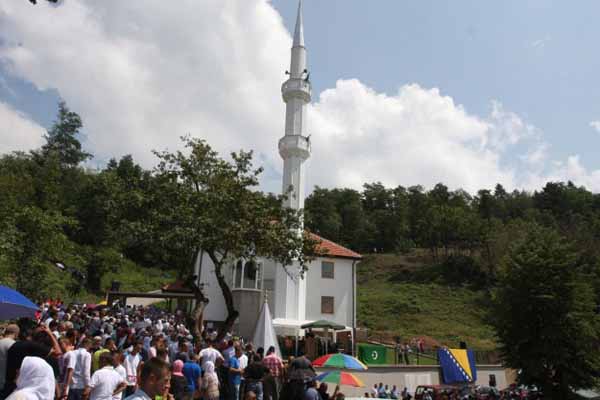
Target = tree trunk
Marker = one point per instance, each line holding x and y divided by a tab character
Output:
232	313
198	313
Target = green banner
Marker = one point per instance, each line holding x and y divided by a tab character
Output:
372	354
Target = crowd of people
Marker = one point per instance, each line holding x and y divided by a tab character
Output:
74	352
381	391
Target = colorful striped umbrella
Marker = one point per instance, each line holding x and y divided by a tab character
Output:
340	378
339	360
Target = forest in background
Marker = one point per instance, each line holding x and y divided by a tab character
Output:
468	234
95	222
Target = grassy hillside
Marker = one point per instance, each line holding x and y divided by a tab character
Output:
405	296
132	278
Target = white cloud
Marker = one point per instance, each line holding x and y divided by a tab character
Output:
143	74
18	131
536	156
414	137
571	170
506	128
595	125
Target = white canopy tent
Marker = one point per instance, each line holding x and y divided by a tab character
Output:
264	333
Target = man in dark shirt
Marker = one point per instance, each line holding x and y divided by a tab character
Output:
254	373
323	391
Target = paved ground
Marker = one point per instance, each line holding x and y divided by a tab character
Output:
141	301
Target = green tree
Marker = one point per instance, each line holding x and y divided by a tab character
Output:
386	211
321	214
38	241
545	315
213	205
62	140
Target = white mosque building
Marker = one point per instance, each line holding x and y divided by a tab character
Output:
328	289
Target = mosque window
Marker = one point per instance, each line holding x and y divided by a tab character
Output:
327	305
327	270
237	274
247	275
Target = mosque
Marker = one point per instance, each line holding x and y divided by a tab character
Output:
328	289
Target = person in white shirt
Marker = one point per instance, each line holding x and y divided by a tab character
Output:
78	371
51	317
243	361
106	382
132	364
120	369
209	354
243	364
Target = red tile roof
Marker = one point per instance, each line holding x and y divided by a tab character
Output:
327	248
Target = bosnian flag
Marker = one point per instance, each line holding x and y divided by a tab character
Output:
458	365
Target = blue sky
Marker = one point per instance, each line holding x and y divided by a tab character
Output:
514	79
538	58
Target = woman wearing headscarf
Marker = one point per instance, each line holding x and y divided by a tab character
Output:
35	381
178	381
210	382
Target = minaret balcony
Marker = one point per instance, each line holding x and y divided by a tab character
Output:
296	88
294	146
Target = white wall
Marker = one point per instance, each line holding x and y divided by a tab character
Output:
412	376
216	309
340	288
285	303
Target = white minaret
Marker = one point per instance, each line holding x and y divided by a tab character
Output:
294	146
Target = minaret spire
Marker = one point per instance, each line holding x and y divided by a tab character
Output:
294	146
299	31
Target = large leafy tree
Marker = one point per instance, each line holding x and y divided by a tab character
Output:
545	315
213	205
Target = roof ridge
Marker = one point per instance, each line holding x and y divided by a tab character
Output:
333	249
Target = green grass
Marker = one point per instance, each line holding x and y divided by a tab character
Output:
392	302
138	279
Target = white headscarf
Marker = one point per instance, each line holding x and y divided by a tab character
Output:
209	370
35	381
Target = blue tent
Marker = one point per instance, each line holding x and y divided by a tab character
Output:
14	305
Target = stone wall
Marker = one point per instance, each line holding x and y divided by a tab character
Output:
248	303
412	376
